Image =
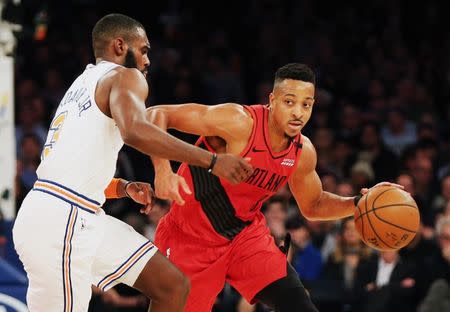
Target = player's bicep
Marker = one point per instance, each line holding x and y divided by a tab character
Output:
305	183
127	98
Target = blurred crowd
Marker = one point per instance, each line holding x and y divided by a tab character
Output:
382	113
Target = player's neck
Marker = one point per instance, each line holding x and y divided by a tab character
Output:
277	137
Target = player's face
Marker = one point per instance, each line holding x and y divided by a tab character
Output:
291	104
137	53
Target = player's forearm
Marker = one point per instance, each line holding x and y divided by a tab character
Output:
159	119
328	207
151	140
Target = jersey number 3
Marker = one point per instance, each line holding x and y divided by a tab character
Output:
53	133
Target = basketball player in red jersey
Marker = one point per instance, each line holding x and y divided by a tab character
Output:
217	234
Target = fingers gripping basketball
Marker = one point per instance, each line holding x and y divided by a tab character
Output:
387	218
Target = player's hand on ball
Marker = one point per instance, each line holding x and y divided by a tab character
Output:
168	185
141	193
365	190
233	168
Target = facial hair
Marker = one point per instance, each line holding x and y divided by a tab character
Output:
130	60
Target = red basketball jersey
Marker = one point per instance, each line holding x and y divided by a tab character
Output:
217	210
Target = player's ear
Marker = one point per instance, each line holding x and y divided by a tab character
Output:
271	99
120	46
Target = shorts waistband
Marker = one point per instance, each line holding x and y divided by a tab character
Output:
66	194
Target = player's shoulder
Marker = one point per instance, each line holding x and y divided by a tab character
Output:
234	111
307	144
308	157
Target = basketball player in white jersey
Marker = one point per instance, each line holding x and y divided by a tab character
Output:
65	240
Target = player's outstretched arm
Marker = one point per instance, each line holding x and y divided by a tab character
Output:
228	121
314	203
305	184
127	97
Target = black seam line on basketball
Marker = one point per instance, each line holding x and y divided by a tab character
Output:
373	208
397	226
362	221
387	206
370	222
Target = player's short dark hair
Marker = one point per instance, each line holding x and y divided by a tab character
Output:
111	26
295	71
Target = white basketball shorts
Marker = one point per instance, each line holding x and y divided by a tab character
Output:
67	243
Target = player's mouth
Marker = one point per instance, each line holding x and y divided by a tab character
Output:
295	125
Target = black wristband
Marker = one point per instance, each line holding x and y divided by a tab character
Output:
125	188
356	199
213	162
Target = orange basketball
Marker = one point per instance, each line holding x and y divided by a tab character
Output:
387	218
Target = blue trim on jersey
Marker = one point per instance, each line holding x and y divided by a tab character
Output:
62	198
123	264
72	191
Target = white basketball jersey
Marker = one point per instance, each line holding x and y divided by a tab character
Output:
82	143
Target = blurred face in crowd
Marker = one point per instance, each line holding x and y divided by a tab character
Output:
291	104
389	256
300	236
423	170
369	136
275	213
396	121
329	183
445	186
444	237
349	235
345	189
407	181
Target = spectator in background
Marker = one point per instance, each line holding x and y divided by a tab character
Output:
438	272
423	174
398	132
441	199
303	255
382	160
361	175
349	123
340	266
30	156
345	188
427	218
384	283
30	123
276	210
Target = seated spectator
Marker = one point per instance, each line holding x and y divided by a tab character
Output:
275	211
303	256
340	268
398	132
383	161
438	272
384	283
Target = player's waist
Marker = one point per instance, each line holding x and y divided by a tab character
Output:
66	194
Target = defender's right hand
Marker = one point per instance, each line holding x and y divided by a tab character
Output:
233	168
